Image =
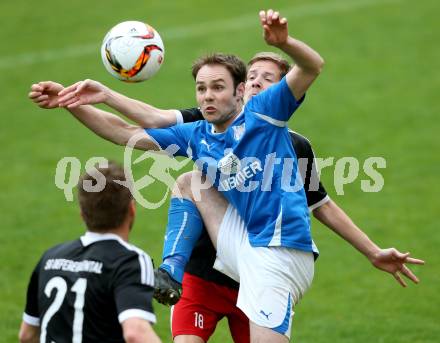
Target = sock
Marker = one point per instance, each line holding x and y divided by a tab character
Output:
183	231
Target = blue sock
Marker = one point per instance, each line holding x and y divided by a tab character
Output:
183	231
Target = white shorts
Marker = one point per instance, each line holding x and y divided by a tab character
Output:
272	279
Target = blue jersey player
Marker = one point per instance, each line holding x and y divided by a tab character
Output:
261	232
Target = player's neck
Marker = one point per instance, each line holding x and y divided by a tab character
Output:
123	234
222	127
122	231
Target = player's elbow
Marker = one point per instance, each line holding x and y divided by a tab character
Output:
132	337
22	338
28	336
141	337
314	68
120	140
25	338
318	65
126	135
138	330
321	63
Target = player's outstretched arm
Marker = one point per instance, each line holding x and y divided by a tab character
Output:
112	128
105	124
308	63
389	260
89	92
138	330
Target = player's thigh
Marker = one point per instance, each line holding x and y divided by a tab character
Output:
212	208
188	339
232	240
259	334
210	202
191	317
239	326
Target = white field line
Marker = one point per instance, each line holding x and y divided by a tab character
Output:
196	30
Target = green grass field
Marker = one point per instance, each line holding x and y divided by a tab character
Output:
376	97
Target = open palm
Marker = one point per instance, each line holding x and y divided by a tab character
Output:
275	31
394	262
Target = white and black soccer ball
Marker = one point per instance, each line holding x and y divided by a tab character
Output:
132	51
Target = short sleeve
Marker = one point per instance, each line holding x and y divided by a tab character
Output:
173	139
276	104
31	314
315	192
191	115
133	288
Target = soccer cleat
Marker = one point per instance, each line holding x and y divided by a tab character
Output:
167	291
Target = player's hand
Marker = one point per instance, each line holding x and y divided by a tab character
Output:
85	92
275	31
394	262
45	94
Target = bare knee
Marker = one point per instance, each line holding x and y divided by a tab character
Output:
182	186
209	202
191	185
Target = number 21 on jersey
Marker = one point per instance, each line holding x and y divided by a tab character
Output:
60	285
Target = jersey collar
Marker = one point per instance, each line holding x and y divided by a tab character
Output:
92	237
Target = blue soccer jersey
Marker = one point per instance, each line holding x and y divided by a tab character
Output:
254	165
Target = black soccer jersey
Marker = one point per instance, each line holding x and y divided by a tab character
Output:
203	255
82	290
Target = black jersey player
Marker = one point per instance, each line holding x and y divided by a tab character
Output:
99	287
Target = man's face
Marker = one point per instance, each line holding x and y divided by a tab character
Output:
261	75
215	94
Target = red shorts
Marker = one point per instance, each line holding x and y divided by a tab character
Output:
202	305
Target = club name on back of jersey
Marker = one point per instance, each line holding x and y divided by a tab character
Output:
74	266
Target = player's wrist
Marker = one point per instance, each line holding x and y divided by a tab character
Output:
373	254
286	45
110	97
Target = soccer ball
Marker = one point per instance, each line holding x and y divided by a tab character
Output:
132	51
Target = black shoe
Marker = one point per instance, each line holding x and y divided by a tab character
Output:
167	291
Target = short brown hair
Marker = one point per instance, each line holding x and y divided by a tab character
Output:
108	208
232	63
282	63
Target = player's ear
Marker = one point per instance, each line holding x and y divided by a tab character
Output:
132	208
240	90
131	213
